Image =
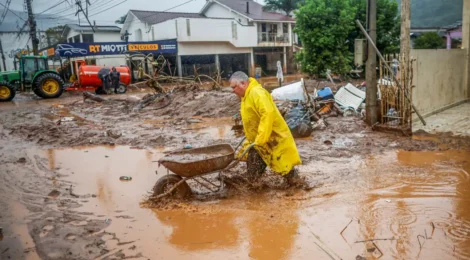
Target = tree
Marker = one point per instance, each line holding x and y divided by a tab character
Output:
429	40
121	19
286	6
323	27
388	25
54	35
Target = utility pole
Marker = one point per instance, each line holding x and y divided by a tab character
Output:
371	72
32	27
405	46
80	9
3	56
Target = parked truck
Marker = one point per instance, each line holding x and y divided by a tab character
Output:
33	71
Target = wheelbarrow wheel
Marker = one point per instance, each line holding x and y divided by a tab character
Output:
167	182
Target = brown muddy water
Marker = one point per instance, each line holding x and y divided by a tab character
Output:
416	205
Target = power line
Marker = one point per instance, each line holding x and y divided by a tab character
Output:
12	12
133	18
4	14
98	6
108	8
57	4
178	5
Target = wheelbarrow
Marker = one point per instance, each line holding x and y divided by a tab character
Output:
195	164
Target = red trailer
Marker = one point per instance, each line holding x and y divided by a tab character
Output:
88	79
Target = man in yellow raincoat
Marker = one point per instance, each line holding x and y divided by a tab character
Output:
264	126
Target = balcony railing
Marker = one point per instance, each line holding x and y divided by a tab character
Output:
273	37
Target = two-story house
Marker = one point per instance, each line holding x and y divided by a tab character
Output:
227	35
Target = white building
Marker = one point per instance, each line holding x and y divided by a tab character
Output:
75	33
13	43
227	34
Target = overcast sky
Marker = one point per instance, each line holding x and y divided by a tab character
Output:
107	11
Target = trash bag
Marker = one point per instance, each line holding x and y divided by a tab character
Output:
298	120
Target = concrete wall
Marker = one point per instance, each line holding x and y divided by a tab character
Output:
216	30
207	48
134	27
439	79
466	40
107	36
219	11
165	30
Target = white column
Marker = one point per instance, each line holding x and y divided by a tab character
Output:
290	34
180	67
252	63
284	66
217	62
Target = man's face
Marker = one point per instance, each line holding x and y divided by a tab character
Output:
239	88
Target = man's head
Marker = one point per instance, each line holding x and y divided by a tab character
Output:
239	83
114	69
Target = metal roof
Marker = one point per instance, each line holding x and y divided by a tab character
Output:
112	28
154	17
255	11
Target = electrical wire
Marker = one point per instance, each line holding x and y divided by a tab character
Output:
52	7
153	13
100	5
108	8
4	14
12	12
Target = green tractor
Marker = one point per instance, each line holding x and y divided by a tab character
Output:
34	71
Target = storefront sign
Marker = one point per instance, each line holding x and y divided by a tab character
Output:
114	48
49	52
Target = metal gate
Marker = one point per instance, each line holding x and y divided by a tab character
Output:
394	106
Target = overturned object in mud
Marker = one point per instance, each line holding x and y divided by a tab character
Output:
149	98
113	134
298	120
88	95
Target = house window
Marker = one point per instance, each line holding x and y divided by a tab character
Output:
234	30
76	38
87	37
188	27
285	28
70	40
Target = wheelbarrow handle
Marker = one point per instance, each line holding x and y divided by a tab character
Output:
246	150
237	160
241	142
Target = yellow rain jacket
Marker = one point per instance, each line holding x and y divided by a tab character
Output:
266	128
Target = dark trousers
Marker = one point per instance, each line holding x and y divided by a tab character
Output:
255	164
115	84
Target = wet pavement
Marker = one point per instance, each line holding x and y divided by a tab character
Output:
455	120
394	199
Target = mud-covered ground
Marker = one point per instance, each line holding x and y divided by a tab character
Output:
62	199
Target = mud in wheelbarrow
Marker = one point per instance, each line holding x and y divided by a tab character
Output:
197	161
195	164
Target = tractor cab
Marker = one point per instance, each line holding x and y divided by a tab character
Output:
30	65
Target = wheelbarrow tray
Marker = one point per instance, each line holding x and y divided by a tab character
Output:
198	161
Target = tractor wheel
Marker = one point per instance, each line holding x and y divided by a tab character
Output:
165	183
122	88
49	85
7	91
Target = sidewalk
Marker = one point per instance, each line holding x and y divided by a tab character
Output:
455	120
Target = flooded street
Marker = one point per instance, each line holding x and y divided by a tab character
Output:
370	195
395	199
